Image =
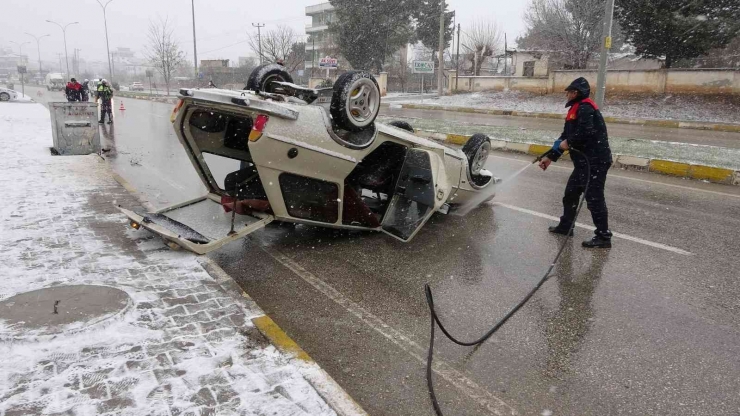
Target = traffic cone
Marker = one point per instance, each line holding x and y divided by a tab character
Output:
122	108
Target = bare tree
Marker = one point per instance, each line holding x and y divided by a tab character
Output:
282	43
164	51
482	39
570	29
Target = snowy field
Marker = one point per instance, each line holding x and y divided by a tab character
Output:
670	107
653	149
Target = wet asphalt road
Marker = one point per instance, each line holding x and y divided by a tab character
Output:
644	328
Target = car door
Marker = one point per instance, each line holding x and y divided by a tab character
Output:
416	196
215	139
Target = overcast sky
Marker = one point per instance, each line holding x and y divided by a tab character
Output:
221	25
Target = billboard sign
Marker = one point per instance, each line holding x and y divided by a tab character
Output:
423	67
328	62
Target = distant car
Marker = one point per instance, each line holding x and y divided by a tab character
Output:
7	94
278	151
136	86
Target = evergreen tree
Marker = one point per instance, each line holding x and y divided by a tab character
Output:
368	32
678	29
427	26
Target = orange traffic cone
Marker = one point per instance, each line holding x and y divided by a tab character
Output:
122	108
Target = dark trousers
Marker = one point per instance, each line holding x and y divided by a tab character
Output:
594	197
106	107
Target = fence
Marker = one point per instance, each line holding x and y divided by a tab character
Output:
670	81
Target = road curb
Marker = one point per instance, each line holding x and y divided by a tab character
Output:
159	99
334	395
329	390
666	167
678	124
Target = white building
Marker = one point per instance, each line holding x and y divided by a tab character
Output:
319	43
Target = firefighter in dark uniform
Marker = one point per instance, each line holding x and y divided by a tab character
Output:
584	131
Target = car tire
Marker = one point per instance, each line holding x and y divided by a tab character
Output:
4	96
402	125
262	76
477	149
355	102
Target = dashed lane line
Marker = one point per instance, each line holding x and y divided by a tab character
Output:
588	227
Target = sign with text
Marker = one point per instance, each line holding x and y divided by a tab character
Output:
328	62
21	69
423	67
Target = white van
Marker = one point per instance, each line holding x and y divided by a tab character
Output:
54	81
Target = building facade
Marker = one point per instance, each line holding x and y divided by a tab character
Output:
319	43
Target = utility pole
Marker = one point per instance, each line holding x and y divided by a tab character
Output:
259	37
606	44
457	61
60	62
195	47
506	56
441	58
38	48
64	32
107	46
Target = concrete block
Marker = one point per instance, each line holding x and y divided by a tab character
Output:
517	147
669	167
498	144
736	178
632	163
538	149
711	174
457	139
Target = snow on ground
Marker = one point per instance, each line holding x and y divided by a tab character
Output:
652	149
720	109
184	345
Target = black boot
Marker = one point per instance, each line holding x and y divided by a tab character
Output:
598	241
561	229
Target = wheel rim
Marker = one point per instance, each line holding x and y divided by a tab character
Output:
4	97
362	101
267	84
480	158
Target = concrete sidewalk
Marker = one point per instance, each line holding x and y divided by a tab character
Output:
175	337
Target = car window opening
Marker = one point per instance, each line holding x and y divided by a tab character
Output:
310	199
221	134
368	188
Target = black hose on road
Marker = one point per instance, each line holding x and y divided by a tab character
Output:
436	321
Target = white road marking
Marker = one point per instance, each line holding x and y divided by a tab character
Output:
591	228
467	386
689	188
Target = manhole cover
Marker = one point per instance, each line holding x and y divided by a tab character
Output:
60	309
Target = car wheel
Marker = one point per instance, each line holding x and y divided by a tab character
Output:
477	149
402	125
4	96
262	77
355	102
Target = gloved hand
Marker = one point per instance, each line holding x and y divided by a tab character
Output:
556	147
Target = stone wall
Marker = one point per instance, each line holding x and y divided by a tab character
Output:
671	81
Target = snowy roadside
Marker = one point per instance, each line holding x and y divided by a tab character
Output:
715	109
183	344
650	149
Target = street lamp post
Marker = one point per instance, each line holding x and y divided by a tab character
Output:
107	47
64	32
195	45
38	48
20	58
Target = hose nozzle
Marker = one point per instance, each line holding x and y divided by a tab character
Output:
540	157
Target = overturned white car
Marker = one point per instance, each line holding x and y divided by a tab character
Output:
278	151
